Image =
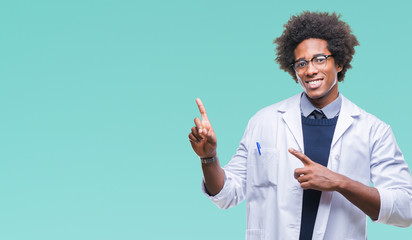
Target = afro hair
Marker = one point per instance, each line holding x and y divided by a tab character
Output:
320	25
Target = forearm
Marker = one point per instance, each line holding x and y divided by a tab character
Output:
364	197
214	177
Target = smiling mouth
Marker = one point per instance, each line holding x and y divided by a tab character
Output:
313	82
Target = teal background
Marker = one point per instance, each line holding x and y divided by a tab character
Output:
97	99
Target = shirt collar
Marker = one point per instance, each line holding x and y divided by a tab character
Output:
331	110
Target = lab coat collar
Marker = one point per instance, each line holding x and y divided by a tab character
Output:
291	114
290	110
348	112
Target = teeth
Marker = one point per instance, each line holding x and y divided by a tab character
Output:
314	82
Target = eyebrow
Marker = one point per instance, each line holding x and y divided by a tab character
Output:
316	55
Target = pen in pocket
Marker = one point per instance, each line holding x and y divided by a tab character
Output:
258	147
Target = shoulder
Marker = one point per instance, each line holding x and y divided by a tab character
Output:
362	118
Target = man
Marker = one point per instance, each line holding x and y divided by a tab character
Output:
304	165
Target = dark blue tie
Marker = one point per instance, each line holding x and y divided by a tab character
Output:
318	114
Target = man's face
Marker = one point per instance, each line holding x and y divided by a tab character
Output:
320	83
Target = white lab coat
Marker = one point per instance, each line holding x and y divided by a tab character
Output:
363	149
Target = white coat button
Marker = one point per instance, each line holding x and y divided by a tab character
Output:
293	226
336	157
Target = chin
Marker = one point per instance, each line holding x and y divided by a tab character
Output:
314	95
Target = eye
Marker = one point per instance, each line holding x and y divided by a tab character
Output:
300	64
320	59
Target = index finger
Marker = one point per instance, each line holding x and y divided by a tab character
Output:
302	157
201	109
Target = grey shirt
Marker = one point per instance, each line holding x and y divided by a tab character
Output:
331	110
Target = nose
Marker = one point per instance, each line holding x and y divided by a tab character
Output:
311	70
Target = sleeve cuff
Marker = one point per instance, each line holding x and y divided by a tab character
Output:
386	205
219	199
217	196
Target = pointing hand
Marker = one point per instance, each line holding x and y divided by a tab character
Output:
314	175
202	136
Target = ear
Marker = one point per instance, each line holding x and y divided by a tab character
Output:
339	68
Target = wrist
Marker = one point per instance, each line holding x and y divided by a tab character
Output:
342	184
208	160
210	154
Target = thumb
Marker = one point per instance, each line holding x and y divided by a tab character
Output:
210	135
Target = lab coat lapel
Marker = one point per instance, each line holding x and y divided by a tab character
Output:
290	110
347	112
346	117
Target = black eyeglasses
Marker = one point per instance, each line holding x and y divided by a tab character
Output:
318	62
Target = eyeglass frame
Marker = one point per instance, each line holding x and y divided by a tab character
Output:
311	60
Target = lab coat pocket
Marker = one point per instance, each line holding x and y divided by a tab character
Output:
264	167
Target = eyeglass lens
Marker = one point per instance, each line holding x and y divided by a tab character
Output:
319	62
